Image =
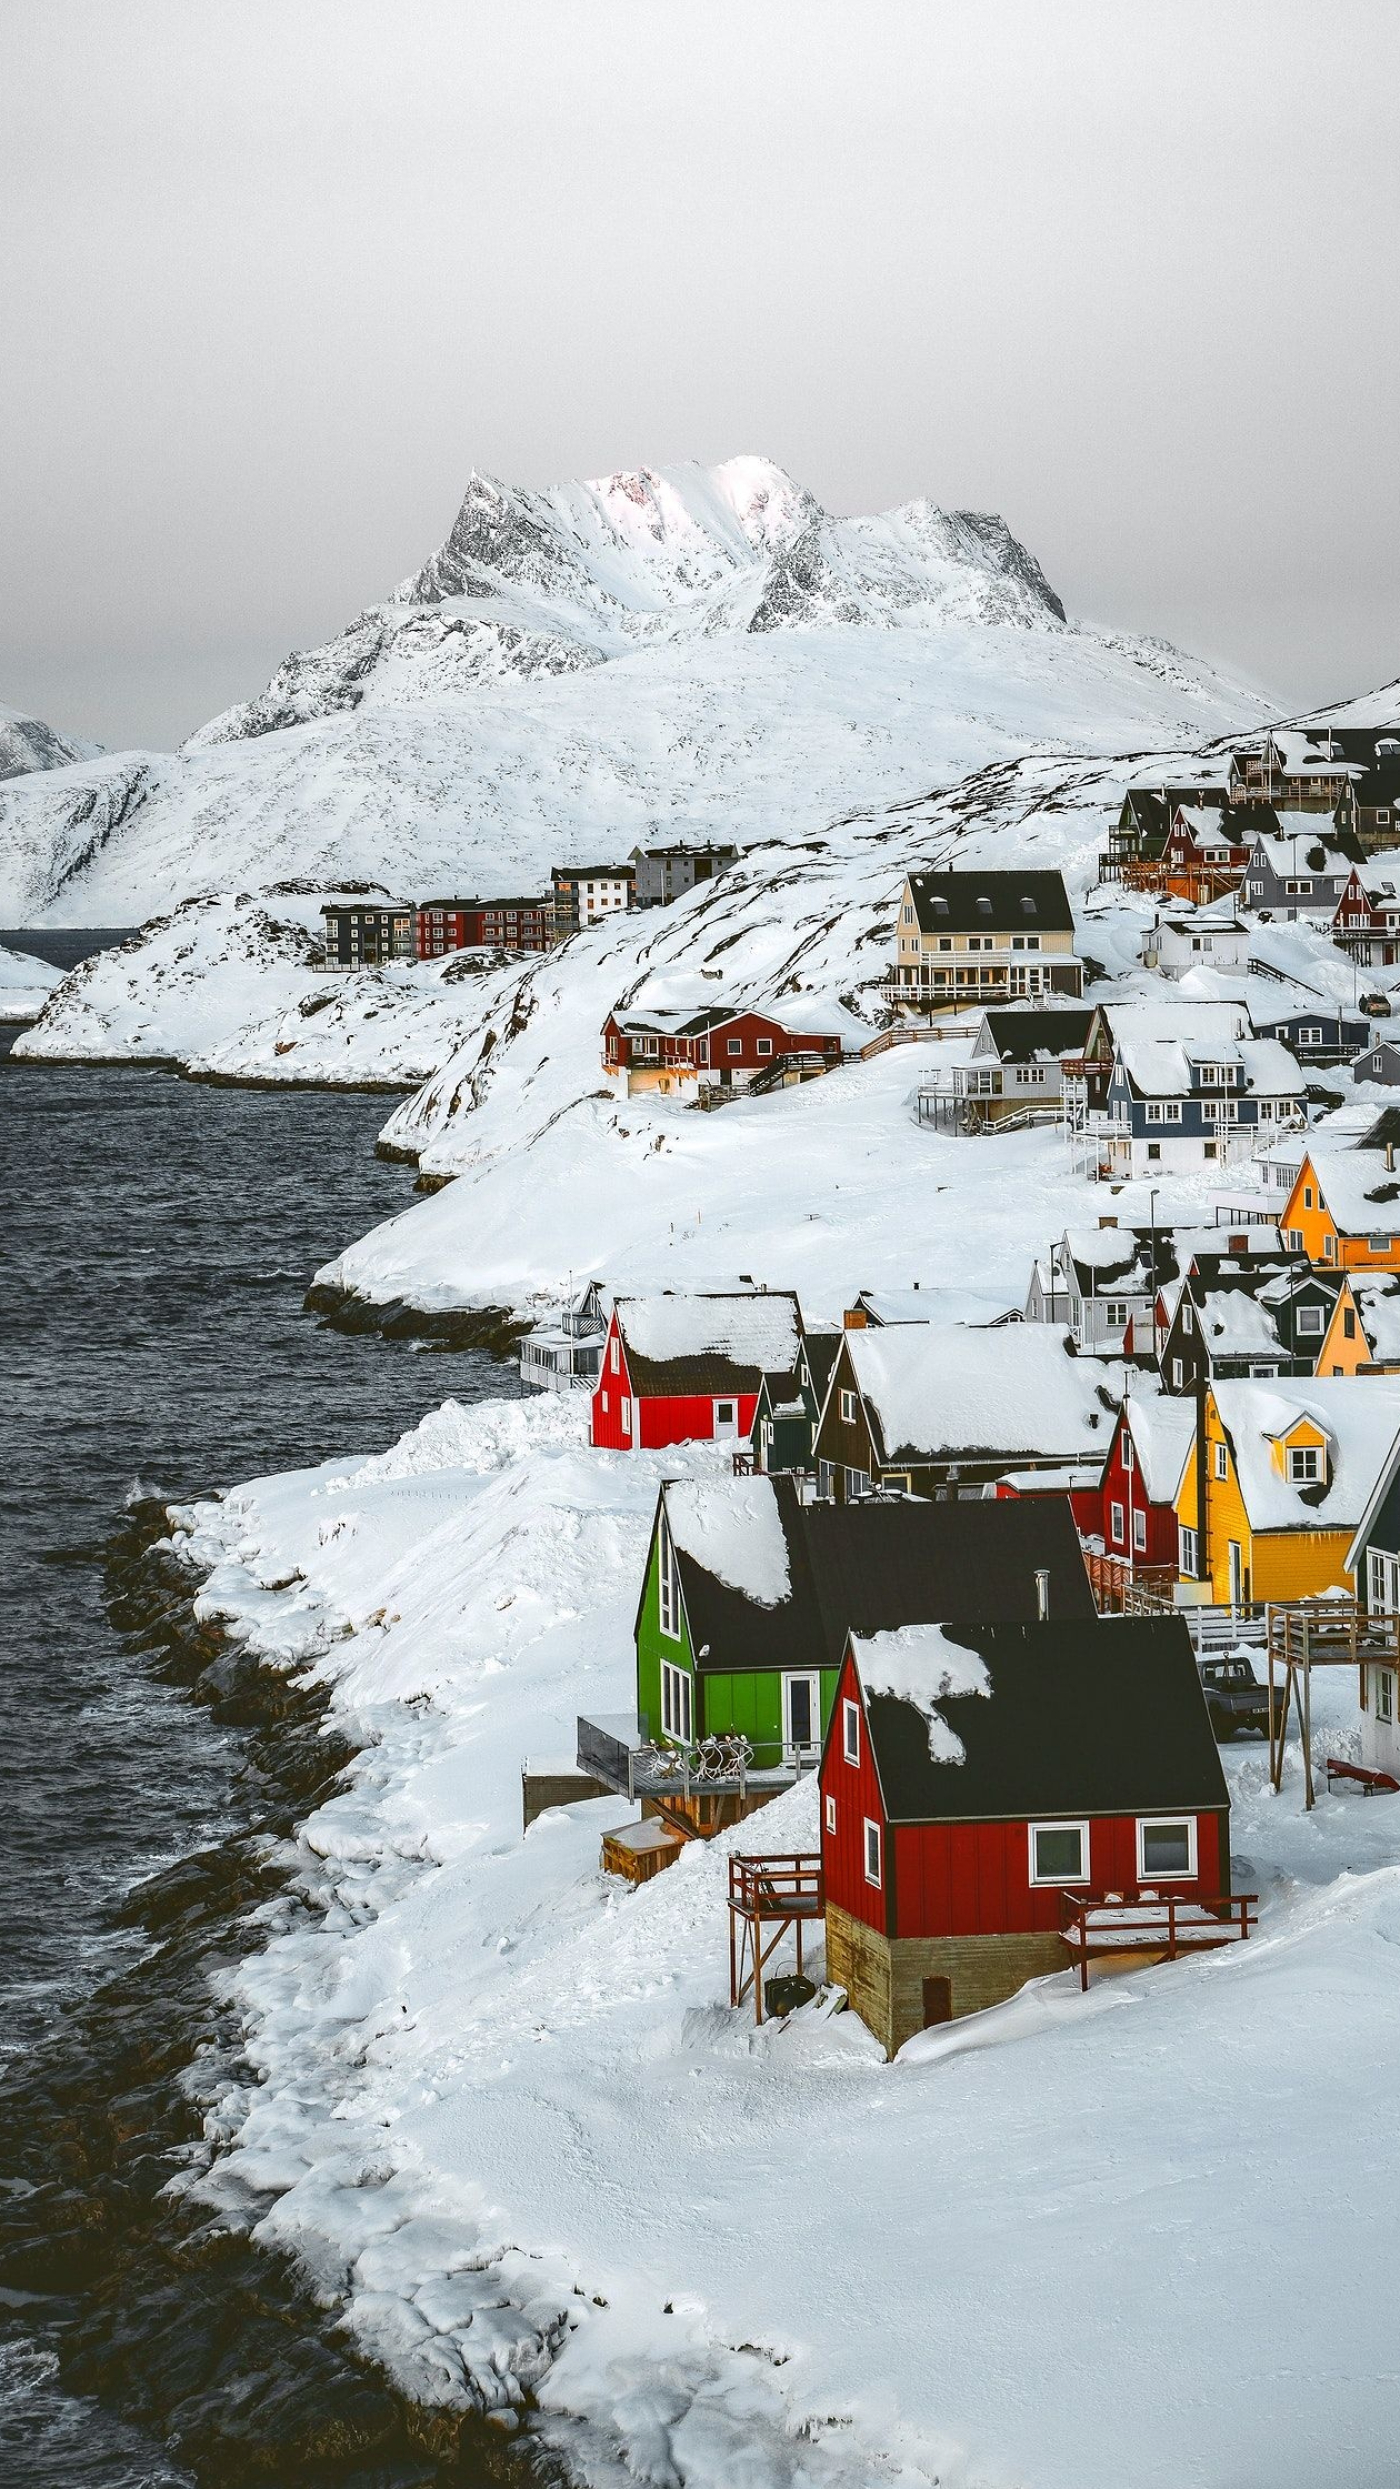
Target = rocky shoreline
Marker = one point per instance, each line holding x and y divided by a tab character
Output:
488	1327
150	2303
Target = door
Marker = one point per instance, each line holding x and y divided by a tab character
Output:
1236	1574
726	1420
801	1718
938	2002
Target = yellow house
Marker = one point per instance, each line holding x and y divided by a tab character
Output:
1282	1475
1363	1334
975	937
1344	1208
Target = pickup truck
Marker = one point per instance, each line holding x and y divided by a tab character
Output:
1235	1698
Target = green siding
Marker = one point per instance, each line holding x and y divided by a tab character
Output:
653	1646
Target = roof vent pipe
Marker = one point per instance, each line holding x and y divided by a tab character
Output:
1390	1157
1042	1593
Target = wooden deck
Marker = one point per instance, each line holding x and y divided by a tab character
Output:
1303	1634
1098	1926
784	1890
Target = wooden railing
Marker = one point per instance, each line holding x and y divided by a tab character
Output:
785	1889
1096	1926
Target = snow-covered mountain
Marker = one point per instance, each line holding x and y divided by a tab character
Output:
691	648
26	743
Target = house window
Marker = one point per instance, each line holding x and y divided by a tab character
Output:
1222	1461
1304	1464
613	1357
1307	1197
1293	1239
831	1814
1188	1548
765	1045
1378	1244
677	1716
1309	1036
874	1872
1383	1582
1115	1524
1385	1694
669	1580
850	1731
1115	1314
848	1408
1126	1455
1309	1319
625	1413
1059	1853
1348	1323
1329	1248
1176	1374
1140	1532
734	1045
1166	1848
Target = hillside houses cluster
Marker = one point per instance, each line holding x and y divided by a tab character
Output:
372	931
1177	1423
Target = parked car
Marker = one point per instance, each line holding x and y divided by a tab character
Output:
1235	1698
1376	1006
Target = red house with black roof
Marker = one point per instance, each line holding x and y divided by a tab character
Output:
975	1776
687	1369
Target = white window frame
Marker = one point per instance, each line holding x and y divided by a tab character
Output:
1126	1453
765	1045
831	1814
1299	1454
1222	1461
624	1410
1139	1532
850	1732
1188	1551
1385	1696
1311	1322
614	1359
734	1045
1115	1525
668	1574
848	1407
873	1852
1167	1875
1079	1825
677	1702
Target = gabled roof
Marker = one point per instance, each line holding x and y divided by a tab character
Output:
1161	1068
952	1393
1129	1261
1164	1436
1037	1036
1360	1192
1361	1420
865	1566
1378	1310
1067	1720
972	1306
708	1344
979	902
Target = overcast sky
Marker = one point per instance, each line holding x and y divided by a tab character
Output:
278	274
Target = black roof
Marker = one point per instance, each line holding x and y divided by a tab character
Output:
1083	1718
976	902
708	1373
581	872
1385	1129
1019	1036
868	1567
822	1348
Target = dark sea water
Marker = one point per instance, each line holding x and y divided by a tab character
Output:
156	1238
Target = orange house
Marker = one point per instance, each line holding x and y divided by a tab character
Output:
1344	1209
1363	1336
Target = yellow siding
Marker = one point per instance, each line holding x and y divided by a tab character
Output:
1338	1354
1321	1241
1278	1564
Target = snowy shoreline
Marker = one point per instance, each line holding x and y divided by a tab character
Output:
485	2082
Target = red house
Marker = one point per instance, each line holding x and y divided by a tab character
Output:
977	1779
443	925
719	1047
1367	924
687	1369
1154	1438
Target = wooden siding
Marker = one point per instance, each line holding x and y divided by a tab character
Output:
653	1646
1277	1564
1124	1487
856	1790
1323	1241
974	1879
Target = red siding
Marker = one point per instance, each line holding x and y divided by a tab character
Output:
609	1393
857	1794
974	1879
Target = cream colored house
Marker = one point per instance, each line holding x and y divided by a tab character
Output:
975	937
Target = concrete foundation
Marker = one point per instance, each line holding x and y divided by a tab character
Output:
900	1985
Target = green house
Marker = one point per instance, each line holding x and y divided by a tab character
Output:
785	1423
749	1596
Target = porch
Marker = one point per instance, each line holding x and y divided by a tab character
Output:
1101	1927
615	1747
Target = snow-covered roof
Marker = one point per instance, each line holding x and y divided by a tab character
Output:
968	1305
1303	758
1207	824
1164	1068
759	1332
1361	1421
1378	1304
1236	1324
1196	1022
941	1393
1164	1435
1360	1191
732	1527
918	1664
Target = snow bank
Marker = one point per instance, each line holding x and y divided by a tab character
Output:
25	984
501	2111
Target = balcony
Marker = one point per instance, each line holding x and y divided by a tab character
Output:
614	1747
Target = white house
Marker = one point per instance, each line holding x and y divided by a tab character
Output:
1195	937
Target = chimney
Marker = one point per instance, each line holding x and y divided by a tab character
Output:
1239	1244
1042	1593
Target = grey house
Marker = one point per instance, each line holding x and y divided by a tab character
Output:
1380	1062
667	873
1294	877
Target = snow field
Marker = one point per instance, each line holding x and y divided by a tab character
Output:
25	984
501	2111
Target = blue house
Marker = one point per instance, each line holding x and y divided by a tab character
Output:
1175	1101
1320	1036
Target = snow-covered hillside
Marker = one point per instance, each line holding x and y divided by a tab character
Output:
26	744
501	2112
575	670
25	984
